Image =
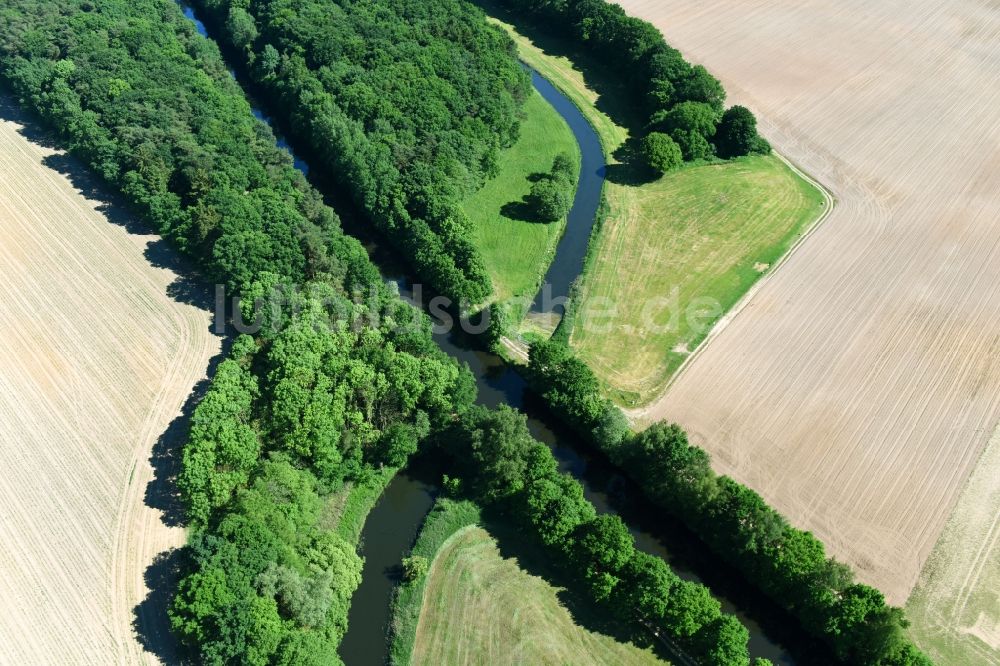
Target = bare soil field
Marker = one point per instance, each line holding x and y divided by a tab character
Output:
858	388
96	360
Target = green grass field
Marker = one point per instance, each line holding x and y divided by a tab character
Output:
482	608
518	251
701	235
697	240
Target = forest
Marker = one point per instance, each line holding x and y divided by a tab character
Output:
407	106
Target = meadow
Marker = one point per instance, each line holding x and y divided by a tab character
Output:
515	247
481	607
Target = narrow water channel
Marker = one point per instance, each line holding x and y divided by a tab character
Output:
396	519
571	251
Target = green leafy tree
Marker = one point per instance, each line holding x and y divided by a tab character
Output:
555	506
690	116
492	446
645	587
603	547
551	199
724	642
693	145
737	134
689	607
415	567
661	153
700	86
200	599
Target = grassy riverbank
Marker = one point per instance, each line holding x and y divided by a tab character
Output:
478	605
674	253
518	249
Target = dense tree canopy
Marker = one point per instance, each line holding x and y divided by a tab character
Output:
661	152
407	105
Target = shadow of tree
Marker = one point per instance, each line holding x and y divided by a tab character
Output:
630	168
523	211
614	97
534	560
188	286
150	620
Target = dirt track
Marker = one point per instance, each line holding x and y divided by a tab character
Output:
95	362
858	387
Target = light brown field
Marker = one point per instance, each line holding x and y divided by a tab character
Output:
858	387
95	362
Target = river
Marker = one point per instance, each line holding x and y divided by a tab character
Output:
396	519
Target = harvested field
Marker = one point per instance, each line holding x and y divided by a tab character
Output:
955	608
96	362
859	386
482	608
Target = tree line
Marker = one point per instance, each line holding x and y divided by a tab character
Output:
683	103
407	105
319	399
787	564
500	465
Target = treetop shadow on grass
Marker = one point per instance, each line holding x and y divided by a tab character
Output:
531	558
525	210
630	168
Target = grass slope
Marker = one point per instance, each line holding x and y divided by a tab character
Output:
705	233
446	519
517	250
349	506
482	608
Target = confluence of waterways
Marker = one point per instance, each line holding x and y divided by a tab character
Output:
394	522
